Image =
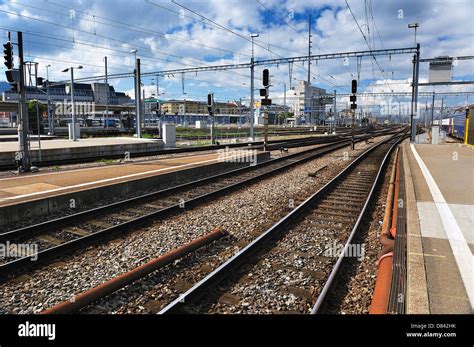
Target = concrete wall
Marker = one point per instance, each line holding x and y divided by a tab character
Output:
9	215
85	152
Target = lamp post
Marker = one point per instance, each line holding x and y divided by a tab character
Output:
107	94
252	68
73	135
50	119
138	106
413	26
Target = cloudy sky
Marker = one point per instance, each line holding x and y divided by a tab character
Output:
182	33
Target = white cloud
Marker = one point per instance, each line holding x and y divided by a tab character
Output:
445	29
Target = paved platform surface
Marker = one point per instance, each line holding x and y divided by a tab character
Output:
14	138
443	186
92	142
36	186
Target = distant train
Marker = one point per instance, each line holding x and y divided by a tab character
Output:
455	125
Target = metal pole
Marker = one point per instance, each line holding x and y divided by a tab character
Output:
158	86
144	108
265	124
353	130
23	126
138	107
335	112
240	112
73	121
213	141
252	68
284	101
48	103
309	50
38	118
416	64
106	116
412	120
432	109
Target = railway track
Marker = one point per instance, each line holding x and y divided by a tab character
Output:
293	266
273	145
65	234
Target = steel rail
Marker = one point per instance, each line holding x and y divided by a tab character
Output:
251	145
68	246
223	270
321	302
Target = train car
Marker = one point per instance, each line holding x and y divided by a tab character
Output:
455	125
458	128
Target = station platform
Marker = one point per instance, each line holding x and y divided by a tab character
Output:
439	181
14	138
38	194
53	150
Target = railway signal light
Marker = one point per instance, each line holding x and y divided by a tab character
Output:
210	103
210	100
8	55
266	78
354	86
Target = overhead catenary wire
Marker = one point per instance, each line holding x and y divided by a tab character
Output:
125	26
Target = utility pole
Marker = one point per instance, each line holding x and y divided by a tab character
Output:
138	104
107	95
265	103
240	112
210	109
158	86
50	117
252	97
416	82
284	100
73	107
38	118
309	50
23	127
414	97
353	99
335	111
432	109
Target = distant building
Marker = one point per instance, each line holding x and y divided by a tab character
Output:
179	107
310	103
90	93
274	111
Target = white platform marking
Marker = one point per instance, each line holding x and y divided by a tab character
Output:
461	251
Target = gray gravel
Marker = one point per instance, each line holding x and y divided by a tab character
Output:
243	214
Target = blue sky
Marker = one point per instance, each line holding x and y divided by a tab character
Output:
167	36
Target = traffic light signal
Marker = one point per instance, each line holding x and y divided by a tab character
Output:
8	55
354	86
266	78
210	100
210	103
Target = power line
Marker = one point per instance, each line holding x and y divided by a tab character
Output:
219	26
106	37
126	26
365	39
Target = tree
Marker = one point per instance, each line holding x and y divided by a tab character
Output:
34	113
